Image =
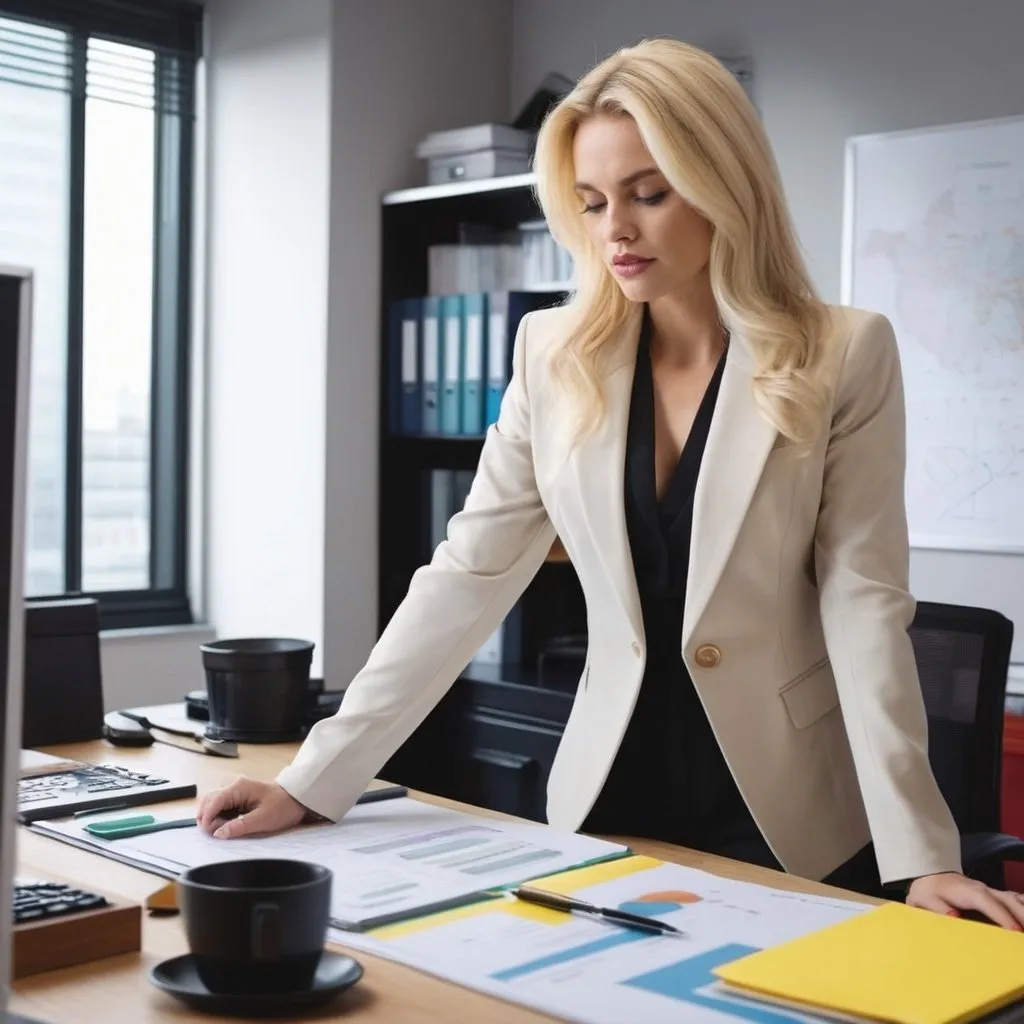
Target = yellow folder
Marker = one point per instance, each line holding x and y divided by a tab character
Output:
894	963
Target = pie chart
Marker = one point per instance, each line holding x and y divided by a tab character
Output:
652	904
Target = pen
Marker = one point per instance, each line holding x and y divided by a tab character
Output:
556	901
99	810
371	796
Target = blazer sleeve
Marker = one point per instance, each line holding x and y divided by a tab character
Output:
862	563
494	547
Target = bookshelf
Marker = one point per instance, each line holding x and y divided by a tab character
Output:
491	740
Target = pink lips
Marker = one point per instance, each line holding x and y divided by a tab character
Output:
628	265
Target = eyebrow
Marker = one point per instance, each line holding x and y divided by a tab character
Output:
630	179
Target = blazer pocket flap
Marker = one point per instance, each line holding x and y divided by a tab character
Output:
811	694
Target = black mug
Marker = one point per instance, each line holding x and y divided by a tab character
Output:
256	926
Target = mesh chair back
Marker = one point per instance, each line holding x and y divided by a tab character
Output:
963	657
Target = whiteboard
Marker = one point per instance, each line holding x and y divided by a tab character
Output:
933	237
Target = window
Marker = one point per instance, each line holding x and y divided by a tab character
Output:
96	121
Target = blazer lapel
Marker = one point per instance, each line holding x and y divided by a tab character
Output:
739	442
599	465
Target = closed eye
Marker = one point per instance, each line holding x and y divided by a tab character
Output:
652	200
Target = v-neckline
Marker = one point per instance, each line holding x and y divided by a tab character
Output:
679	487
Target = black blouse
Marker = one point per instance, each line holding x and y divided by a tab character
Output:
669	780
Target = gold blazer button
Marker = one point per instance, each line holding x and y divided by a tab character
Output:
708	656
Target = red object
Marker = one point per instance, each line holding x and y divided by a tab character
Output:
1013	792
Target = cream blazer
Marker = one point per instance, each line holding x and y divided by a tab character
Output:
797	607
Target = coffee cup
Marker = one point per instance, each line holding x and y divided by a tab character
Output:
256	926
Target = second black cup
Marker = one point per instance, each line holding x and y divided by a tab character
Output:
256	926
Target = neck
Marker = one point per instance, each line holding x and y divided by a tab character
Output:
685	327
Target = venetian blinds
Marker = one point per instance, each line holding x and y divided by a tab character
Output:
139	54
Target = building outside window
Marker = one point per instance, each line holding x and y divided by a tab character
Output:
96	130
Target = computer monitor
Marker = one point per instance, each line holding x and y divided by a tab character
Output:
15	333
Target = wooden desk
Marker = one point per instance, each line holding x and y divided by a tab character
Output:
117	991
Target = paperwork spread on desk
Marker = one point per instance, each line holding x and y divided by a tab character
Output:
598	973
895	963
389	860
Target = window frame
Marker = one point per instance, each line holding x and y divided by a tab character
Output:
172	29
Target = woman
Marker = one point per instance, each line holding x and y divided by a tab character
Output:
722	457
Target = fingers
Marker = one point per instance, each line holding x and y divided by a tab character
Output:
933	902
985	902
221	802
988	902
1014	903
212	805
243	825
247	807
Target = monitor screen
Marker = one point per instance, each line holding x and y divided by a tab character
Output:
15	309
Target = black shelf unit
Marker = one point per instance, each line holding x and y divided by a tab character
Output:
492	738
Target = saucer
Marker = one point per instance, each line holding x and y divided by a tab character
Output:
179	978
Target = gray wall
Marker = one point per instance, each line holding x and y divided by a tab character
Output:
401	69
823	72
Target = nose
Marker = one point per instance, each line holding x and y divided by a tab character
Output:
618	224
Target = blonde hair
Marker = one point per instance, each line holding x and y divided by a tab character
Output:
708	141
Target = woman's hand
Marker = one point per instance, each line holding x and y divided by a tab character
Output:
951	893
247	807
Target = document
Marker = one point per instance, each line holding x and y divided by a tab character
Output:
594	972
389	860
895	963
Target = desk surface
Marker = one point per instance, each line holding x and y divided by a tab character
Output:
117	991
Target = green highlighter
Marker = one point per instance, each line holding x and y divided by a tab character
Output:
137	825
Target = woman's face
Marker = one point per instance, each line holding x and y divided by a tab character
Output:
652	241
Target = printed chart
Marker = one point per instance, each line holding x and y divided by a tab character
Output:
598	973
389	859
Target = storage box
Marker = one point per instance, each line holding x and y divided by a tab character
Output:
475	152
488	163
474	139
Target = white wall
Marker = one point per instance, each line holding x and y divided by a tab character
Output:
151	666
268	155
824	72
401	69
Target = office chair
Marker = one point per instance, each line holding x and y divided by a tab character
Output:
963	655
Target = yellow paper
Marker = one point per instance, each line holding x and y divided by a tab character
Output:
564	882
895	964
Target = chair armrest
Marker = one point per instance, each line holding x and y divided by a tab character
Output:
979	850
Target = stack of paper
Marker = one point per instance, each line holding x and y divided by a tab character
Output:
895	964
594	972
390	860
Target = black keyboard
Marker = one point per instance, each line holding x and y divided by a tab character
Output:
34	901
